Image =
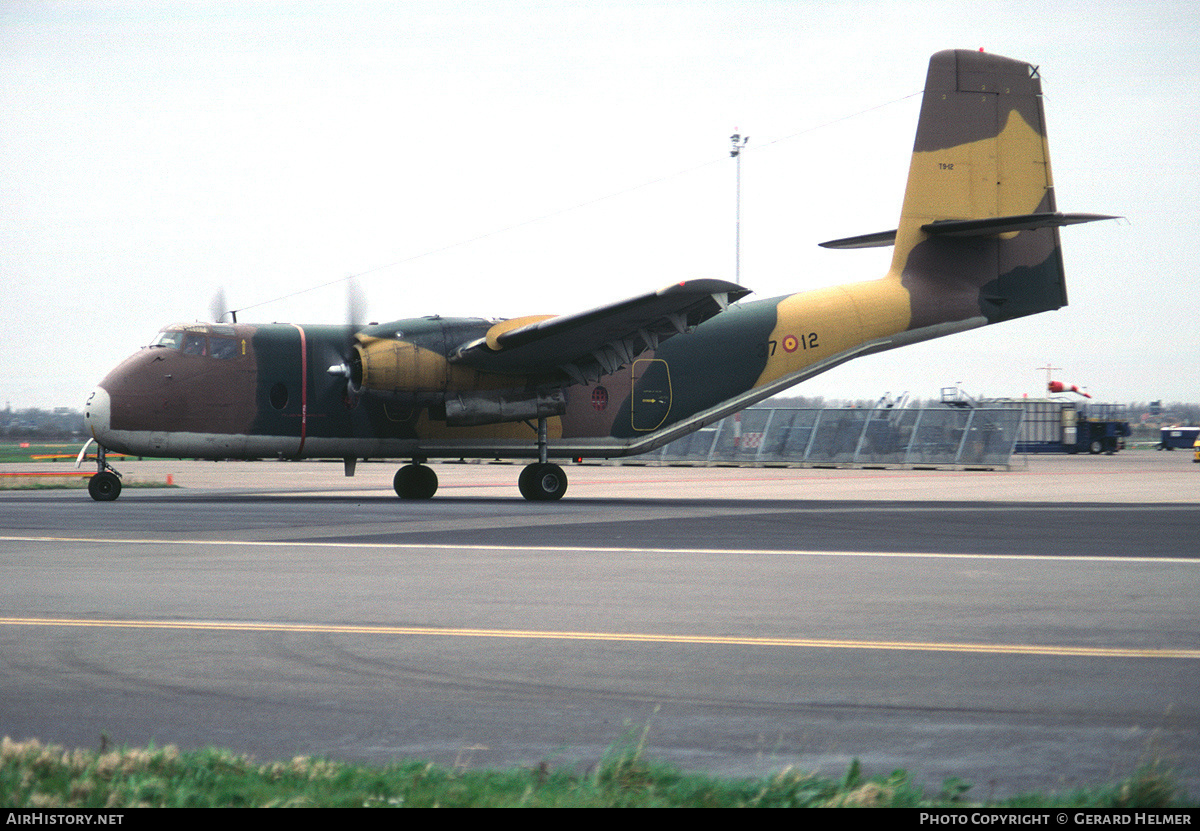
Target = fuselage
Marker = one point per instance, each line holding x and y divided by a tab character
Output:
253	391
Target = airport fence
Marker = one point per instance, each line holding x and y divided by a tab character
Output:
917	437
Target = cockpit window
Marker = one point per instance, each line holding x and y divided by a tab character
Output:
220	347
194	344
220	342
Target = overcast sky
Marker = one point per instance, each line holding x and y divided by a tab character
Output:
507	158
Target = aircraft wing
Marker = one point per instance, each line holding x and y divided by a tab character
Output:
589	344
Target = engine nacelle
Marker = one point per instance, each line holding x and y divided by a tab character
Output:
468	409
401	371
398	370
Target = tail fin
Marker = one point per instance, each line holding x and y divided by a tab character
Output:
978	233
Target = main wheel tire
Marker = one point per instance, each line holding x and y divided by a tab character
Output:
1095	447
105	486
525	482
542	482
415	482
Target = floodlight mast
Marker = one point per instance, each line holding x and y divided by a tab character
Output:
739	142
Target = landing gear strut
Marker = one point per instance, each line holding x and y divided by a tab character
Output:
542	481
415	481
105	485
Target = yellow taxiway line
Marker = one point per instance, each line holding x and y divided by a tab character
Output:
621	637
601	549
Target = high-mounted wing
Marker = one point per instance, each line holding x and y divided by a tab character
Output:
589	344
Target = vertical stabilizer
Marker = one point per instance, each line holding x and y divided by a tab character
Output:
980	154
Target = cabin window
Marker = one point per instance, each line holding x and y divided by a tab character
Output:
279	396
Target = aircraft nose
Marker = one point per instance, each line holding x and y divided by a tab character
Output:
96	413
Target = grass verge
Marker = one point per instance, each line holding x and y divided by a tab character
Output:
34	775
28	451
33	483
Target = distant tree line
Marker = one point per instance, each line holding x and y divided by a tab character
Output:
43	425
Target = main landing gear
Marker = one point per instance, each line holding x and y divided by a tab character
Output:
538	482
415	481
542	481
105	485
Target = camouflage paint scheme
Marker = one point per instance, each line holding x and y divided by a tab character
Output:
980	154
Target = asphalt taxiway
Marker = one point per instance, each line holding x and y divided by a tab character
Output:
1035	628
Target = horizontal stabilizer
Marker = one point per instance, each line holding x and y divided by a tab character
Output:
991	226
589	344
987	227
881	239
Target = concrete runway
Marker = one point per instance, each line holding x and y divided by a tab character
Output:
1036	628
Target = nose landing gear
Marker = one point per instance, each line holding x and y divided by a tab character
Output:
105	485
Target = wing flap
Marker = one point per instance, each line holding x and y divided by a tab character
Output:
586	345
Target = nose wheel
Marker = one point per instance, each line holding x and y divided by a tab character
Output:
105	485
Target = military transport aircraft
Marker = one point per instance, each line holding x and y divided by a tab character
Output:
977	243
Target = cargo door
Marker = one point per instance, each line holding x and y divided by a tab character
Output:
650	402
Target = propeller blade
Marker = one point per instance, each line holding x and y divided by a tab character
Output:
217	307
356	304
